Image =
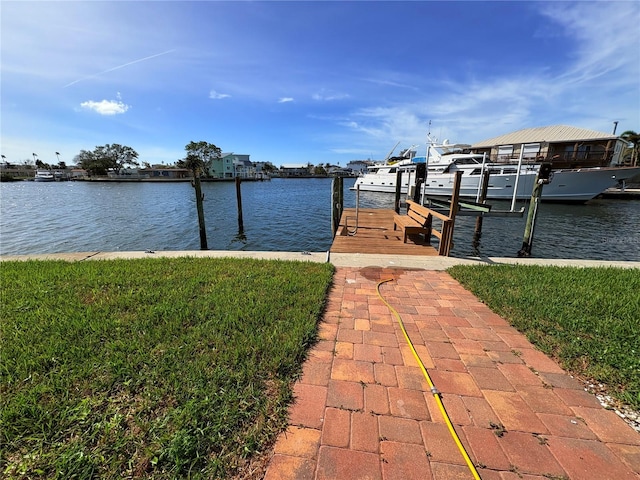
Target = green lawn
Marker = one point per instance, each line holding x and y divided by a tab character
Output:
587	318
175	368
158	368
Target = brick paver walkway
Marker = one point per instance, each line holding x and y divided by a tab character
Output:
363	409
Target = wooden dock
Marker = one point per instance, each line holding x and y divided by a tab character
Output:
375	234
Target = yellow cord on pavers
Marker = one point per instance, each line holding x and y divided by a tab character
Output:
434	390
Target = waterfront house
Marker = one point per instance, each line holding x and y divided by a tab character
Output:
222	167
231	165
79	174
243	167
338	171
295	170
563	146
127	174
161	172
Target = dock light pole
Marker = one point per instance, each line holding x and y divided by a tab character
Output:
34	157
58	157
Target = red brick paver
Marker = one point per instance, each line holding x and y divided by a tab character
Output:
363	408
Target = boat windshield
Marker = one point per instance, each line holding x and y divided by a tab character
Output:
466	161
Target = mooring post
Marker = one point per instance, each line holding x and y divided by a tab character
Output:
455	194
337	201
482	198
527	240
421	174
396	203
334	203
340	196
200	209
543	177
239	200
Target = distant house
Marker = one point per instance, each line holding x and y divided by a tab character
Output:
259	166
232	165
127	173
79	173
338	171
563	146
294	170
161	173
243	167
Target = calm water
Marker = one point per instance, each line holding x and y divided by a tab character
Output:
280	215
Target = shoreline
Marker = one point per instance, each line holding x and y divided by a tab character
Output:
337	259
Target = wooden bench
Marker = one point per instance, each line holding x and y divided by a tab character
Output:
419	219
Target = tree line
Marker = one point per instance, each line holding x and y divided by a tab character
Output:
115	157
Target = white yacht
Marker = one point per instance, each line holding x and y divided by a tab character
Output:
444	160
44	176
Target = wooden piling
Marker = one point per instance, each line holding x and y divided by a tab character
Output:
337	202
455	195
239	201
200	209
421	175
446	240
482	198
527	240
396	203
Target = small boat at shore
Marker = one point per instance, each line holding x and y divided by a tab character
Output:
444	160
44	176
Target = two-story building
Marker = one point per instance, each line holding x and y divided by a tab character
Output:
231	165
563	146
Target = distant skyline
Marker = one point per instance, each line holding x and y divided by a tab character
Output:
318	82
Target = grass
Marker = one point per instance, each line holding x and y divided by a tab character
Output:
157	368
587	318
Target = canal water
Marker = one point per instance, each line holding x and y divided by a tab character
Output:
279	215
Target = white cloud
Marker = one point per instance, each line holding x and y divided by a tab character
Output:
217	96
324	96
106	107
285	100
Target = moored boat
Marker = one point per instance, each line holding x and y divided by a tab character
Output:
444	160
44	176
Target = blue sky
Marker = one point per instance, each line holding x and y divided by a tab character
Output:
298	82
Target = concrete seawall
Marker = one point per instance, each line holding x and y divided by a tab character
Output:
337	259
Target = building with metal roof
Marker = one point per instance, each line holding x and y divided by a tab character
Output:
563	146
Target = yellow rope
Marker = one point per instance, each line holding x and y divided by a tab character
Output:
434	390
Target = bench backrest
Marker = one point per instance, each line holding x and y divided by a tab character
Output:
420	213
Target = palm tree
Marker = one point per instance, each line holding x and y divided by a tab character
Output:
633	138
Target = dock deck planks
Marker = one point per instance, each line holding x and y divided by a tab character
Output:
375	234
